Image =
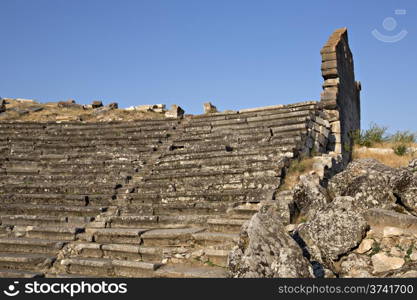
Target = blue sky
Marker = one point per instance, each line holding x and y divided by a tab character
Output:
236	54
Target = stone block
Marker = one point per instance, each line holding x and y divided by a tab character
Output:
96	104
209	108
113	105
382	262
174	112
2	105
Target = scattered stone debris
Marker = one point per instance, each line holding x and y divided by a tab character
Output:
159	108
174	112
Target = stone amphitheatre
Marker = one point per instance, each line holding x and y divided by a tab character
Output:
177	195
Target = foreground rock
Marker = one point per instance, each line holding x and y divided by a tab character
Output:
309	196
266	250
375	185
334	231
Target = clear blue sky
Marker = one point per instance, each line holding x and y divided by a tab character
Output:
236	54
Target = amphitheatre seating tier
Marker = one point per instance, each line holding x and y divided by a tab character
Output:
160	198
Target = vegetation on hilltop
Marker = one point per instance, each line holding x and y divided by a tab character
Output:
395	150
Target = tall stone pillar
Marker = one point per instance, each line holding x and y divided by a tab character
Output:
341	93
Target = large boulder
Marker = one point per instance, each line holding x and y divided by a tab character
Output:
265	249
334	231
309	196
373	184
406	191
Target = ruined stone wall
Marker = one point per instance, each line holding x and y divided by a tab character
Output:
341	93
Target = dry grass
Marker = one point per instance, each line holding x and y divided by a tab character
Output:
296	169
390	159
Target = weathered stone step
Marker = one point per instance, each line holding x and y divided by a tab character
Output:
59	199
259	111
220	159
190	137
111	251
212	166
27	179
91	128
211	147
217	257
225	225
192	208
268	123
73	170
90	147
57	189
250	117
61	157
215	238
59	275
25	261
4	273
266	170
198	197
42	220
169	237
157	221
186	271
52	210
82	138
245	210
116	235
262	150
215	184
121	151
30	245
108	267
80	141
115	170
234	139
119	251
62	233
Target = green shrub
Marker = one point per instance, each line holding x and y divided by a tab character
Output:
403	137
400	149
376	248
375	134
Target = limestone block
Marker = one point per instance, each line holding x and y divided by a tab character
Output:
382	262
174	112
335	127
113	105
328	56
209	108
96	104
338	148
390	231
331	64
2	105
365	246
329	94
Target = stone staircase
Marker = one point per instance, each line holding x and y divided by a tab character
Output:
162	198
